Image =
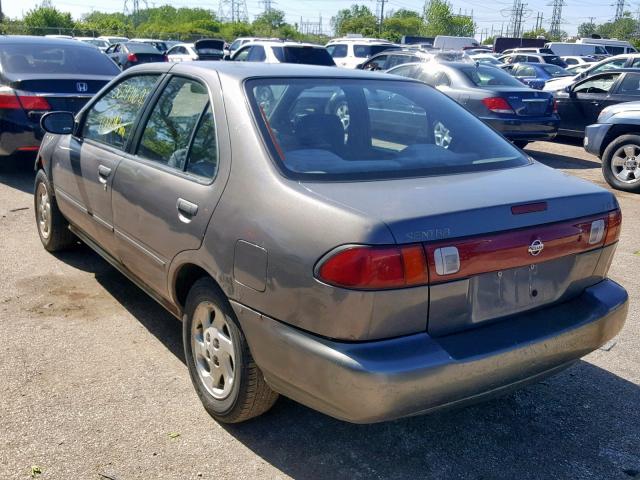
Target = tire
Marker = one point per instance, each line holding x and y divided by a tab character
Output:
521	144
231	391
621	159
53	228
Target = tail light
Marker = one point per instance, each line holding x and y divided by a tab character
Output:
398	266
375	268
13	100
132	58
555	106
614	223
497	105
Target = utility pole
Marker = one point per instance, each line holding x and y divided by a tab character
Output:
516	16
1	14
380	8
619	10
539	18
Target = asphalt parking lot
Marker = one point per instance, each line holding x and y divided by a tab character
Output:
93	386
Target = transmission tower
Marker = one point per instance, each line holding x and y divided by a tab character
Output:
516	16
233	11
556	18
268	5
619	9
132	7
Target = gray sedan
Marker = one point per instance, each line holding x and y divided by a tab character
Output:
355	241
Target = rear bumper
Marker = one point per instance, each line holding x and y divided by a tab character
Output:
594	136
383	380
523	128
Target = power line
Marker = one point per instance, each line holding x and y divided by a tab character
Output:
268	5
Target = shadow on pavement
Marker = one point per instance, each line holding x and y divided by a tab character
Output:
18	173
556	160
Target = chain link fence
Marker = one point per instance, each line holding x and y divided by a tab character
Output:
21	29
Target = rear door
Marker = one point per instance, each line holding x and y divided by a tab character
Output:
83	170
626	90
166	189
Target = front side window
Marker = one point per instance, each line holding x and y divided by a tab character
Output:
168	131
242	55
338	50
256	54
353	129
111	120
600	84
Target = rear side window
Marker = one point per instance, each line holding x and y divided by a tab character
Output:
43	58
304	55
167	134
203	154
630	85
337	51
111	120
614	50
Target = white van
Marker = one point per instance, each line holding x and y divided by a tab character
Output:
566	49
445	42
612	46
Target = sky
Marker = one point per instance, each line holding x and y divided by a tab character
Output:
486	14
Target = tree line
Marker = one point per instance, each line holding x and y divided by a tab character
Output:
182	23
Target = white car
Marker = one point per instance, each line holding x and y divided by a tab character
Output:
114	40
205	49
279	51
629	60
99	43
578	60
349	52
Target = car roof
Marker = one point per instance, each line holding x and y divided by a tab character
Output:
283	43
241	71
34	40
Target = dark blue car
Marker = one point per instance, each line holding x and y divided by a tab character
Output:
535	75
520	113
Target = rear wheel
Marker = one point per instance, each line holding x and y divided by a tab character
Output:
53	228
520	143
621	163
223	372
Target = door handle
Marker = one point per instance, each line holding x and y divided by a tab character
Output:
186	210
595	104
103	174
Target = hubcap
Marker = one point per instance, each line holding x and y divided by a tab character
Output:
343	114
442	135
43	212
625	164
213	351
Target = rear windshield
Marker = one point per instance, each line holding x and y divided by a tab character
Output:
554	70
485	76
47	58
304	54
141	48
364	51
353	129
96	42
547	50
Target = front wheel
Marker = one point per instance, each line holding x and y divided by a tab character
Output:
223	372
53	228
621	163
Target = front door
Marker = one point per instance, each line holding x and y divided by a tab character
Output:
83	169
585	102
166	190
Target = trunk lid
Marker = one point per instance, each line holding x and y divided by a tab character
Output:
528	102
62	92
209	49
496	223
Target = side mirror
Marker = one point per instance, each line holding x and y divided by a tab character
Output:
58	123
226	57
360	66
568	89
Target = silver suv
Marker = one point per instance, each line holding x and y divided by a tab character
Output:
409	260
